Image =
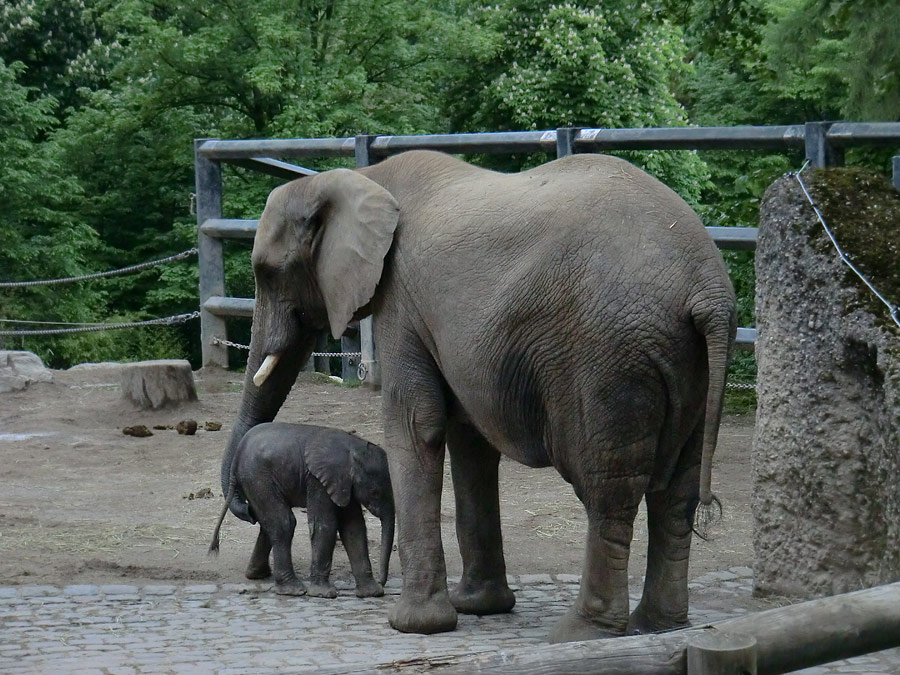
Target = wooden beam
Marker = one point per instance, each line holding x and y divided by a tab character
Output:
788	638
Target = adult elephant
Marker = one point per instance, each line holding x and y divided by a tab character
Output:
576	315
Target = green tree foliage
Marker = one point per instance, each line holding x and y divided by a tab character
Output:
841	57
579	64
42	239
100	101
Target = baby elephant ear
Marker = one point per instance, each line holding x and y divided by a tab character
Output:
329	462
358	218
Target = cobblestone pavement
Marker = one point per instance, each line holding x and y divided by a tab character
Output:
246	628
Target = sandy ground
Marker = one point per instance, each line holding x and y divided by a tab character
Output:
81	502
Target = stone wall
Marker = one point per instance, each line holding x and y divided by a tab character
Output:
826	454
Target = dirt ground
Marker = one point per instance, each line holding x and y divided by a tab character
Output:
81	502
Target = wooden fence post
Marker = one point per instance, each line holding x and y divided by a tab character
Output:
717	653
211	263
369	359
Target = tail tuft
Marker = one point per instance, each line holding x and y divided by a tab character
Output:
706	516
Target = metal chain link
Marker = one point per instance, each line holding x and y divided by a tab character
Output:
165	321
97	275
227	343
740	385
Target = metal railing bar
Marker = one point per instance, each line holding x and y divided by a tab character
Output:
229	228
845	134
489	142
222	306
273	167
651	138
282	147
691	138
734	238
746	337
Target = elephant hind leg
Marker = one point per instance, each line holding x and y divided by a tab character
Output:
474	463
258	567
670	513
352	526
278	522
611	502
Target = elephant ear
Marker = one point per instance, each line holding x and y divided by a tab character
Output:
359	218
370	476
328	459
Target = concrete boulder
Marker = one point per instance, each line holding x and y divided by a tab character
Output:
826	452
18	369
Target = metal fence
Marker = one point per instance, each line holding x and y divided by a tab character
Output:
823	143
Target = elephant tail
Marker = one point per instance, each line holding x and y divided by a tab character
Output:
718	328
232	489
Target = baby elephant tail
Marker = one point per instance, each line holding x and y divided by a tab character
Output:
214	544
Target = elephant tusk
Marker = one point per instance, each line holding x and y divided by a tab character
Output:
268	365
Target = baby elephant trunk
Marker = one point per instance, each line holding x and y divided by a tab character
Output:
387	546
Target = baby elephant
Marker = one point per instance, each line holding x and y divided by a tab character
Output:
331	473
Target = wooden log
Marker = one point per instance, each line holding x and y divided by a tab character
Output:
716	653
155	384
788	638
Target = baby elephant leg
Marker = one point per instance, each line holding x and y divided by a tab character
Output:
321	515
277	522
258	567
352	527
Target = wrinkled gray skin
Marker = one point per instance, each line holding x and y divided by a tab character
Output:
332	474
576	315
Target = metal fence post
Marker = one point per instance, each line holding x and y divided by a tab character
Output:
896	167
211	263
819	152
565	141
369	358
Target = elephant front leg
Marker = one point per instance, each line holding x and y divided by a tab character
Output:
601	608
322	519
352	527
483	588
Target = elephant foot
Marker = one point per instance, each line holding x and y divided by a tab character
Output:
369	588
433	615
293	587
644	623
574	626
320	589
486	597
256	572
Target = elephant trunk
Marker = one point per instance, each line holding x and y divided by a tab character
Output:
387	546
260	404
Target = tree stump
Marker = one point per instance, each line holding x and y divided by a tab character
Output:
155	384
826	452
